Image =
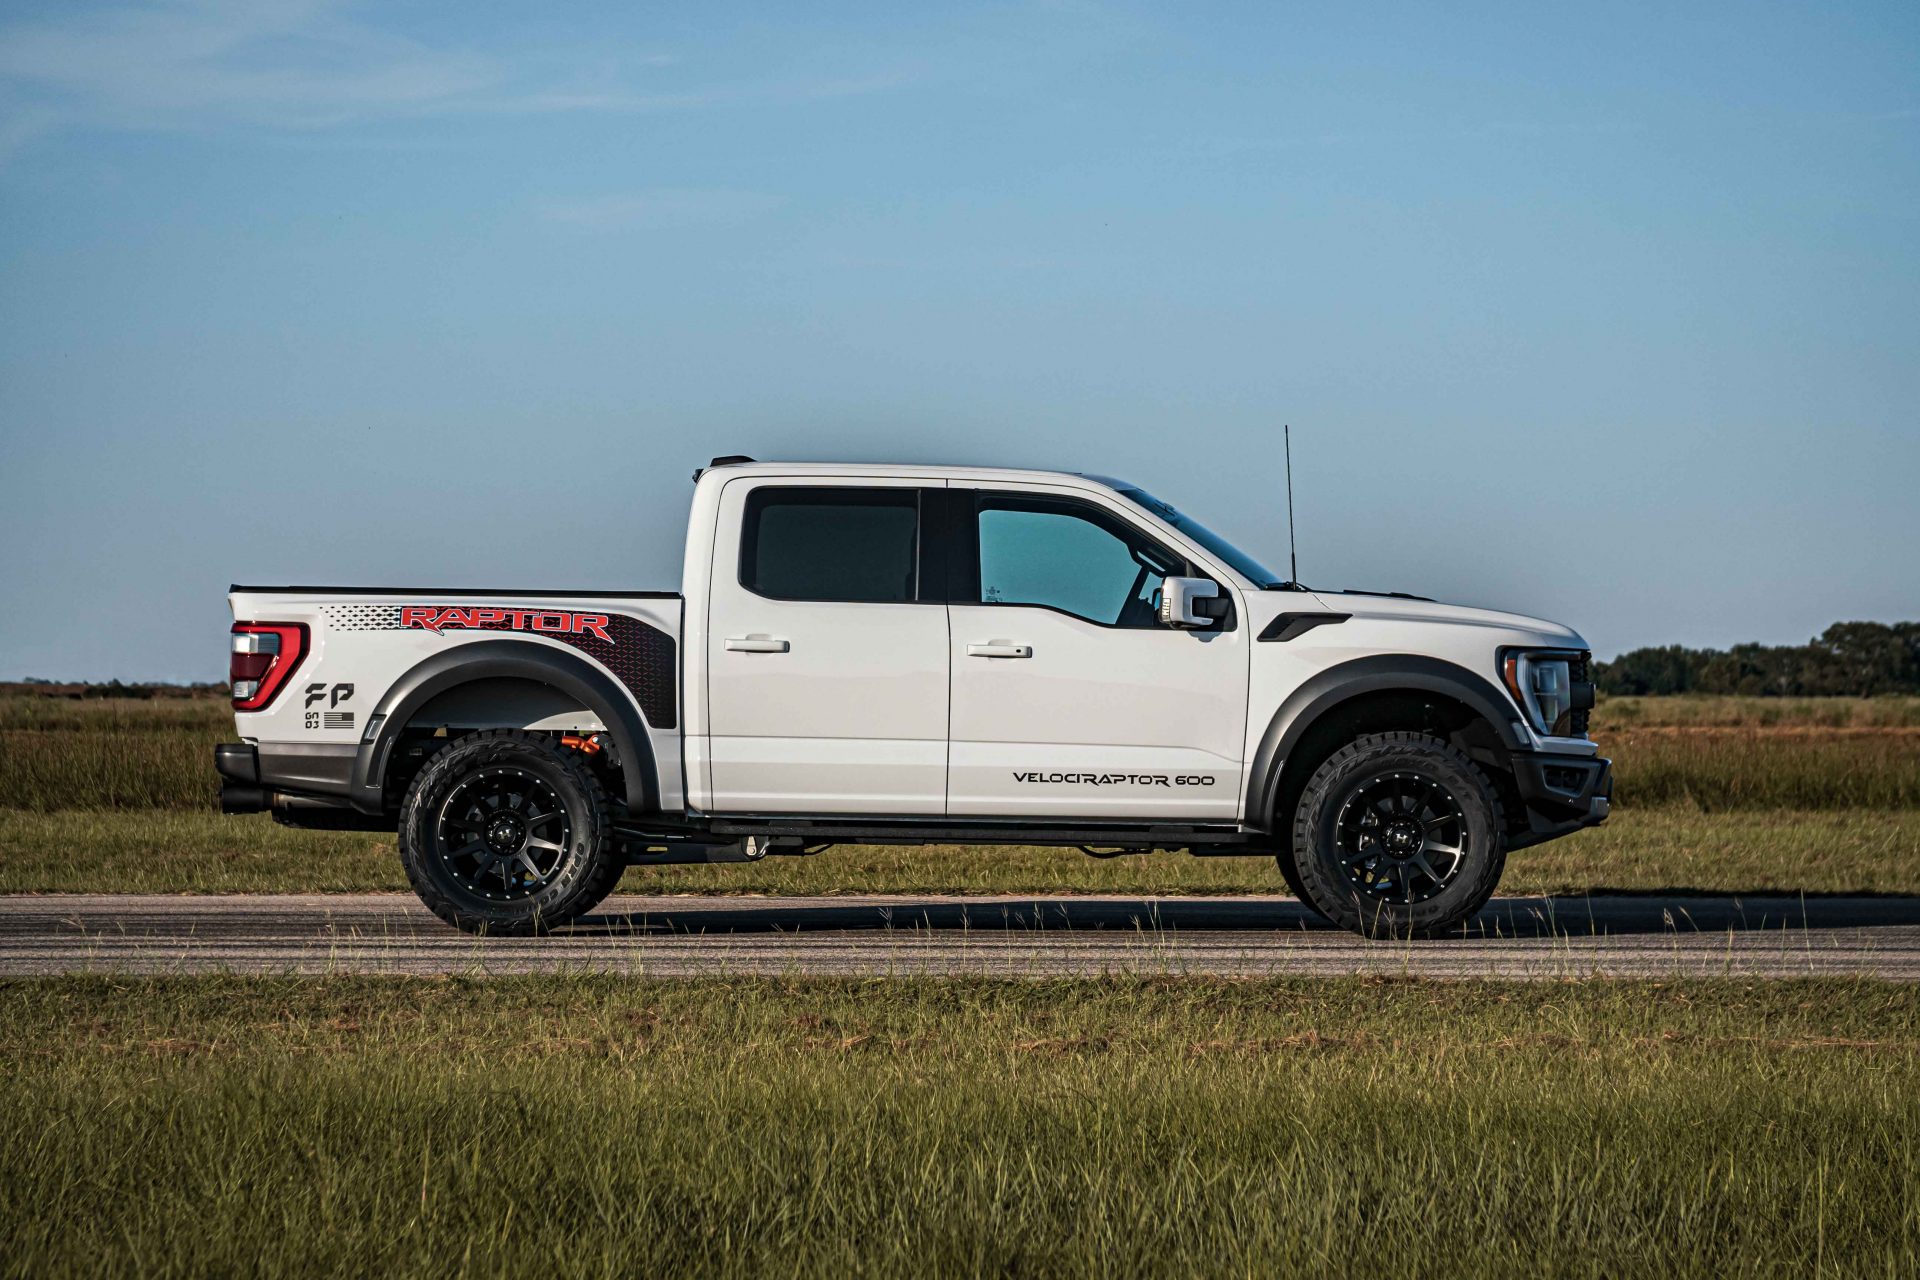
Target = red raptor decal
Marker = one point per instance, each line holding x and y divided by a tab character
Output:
435	617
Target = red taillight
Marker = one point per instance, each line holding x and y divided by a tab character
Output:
264	655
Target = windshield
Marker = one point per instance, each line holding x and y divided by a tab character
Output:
1242	563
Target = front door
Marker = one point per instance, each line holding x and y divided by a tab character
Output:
826	671
1069	697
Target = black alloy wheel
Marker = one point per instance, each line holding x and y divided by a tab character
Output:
502	834
1402	837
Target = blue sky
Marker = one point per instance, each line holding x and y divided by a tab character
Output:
1603	313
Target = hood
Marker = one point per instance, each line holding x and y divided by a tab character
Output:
1539	631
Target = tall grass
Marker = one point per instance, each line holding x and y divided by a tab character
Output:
118	794
110	753
1726	711
1672	848
120	754
1732	769
135	768
1111	1128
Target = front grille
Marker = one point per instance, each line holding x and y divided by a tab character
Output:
1577	720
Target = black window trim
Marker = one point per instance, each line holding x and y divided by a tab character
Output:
748	521
947	547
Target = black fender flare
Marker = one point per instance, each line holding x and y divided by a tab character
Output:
506	659
1325	690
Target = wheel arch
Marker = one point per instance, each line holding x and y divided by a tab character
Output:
572	677
1365	695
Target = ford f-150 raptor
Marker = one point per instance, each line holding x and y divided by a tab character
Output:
901	654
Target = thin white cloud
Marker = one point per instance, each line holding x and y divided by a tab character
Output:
312	64
663	208
769	92
277	63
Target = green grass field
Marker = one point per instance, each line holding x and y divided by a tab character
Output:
1715	794
1672	848
1714	753
595	1126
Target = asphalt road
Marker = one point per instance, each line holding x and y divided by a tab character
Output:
1010	936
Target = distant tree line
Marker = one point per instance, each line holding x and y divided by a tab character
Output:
1850	659
80	690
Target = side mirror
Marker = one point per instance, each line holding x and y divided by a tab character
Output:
1180	605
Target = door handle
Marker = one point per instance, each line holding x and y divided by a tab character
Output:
998	650
757	644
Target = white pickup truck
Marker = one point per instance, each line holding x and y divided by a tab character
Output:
897	654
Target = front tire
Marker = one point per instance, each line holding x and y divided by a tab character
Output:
1399	835
1288	860
505	833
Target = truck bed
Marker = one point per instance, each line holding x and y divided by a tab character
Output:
454	591
368	661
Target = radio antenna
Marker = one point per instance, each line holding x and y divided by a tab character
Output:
1293	548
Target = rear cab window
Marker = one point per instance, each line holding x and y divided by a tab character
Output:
854	545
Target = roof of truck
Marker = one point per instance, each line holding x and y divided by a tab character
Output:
903	470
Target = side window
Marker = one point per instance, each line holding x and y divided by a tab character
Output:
831	544
1070	557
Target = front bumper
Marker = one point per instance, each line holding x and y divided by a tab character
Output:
1561	794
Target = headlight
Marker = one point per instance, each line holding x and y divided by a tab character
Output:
1543	683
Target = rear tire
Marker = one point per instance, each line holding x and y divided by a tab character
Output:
505	833
1399	835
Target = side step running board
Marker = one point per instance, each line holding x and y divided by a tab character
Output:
894	831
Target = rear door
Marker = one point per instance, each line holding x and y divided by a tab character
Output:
1069	697
827	649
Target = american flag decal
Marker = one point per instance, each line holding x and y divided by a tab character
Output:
336	720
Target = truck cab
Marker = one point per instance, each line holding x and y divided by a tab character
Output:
898	654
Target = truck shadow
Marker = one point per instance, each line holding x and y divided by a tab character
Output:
1544	917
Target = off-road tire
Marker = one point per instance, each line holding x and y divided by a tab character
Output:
588	868
1345	777
1288	860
